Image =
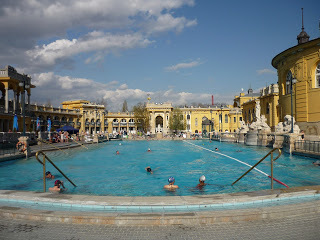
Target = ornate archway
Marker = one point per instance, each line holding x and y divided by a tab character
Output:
159	124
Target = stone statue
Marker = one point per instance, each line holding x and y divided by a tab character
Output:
285	126
243	127
258	110
260	124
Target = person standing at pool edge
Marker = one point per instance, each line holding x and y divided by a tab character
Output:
171	185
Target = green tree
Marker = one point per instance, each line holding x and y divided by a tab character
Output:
141	116
177	121
125	106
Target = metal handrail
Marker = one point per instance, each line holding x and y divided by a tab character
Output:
41	140
270	153
44	168
79	143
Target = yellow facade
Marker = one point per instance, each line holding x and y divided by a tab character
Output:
303	63
269	105
20	85
91	117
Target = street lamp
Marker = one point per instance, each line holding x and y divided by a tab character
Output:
221	107
292	81
24	86
211	120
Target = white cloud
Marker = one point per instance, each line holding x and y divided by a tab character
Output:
49	54
182	65
167	22
58	88
109	21
266	71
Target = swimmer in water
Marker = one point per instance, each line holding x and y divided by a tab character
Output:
149	150
171	185
117	152
49	175
149	170
217	149
316	163
57	186
201	182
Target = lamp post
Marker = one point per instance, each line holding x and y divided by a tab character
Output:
211	120
24	86
221	107
292	80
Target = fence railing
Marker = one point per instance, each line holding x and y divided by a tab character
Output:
8	149
307	146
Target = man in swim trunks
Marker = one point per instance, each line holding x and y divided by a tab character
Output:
49	175
201	182
57	186
171	185
117	152
217	149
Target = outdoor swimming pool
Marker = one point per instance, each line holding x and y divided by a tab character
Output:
99	171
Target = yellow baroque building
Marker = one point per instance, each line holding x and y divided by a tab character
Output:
300	66
268	101
198	119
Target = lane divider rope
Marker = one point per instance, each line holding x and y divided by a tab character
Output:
278	181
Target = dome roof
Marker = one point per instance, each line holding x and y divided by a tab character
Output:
303	37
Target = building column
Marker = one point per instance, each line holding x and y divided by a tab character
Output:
17	101
14	101
6	100
165	130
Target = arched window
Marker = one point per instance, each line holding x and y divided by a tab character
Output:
318	76
188	117
288	80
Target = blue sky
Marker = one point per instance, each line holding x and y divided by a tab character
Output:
181	51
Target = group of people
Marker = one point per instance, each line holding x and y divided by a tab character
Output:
58	185
60	137
171	185
171	180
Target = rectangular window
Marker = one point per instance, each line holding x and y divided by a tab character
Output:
234	119
226	118
240	119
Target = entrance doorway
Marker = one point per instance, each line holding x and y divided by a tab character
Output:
159	124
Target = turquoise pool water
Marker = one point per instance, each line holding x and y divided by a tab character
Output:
99	171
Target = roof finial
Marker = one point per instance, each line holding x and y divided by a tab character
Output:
302	20
303	37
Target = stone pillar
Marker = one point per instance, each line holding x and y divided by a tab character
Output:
288	143
278	140
188	135
6	100
95	138
251	138
25	141
241	137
